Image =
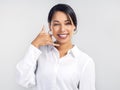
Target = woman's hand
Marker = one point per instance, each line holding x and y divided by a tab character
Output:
42	39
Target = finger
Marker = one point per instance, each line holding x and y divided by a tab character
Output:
51	43
47	36
43	29
55	44
50	36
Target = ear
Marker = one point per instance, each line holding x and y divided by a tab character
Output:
74	28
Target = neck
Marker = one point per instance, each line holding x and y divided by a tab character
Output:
63	48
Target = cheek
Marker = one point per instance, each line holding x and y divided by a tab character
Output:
71	30
56	28
71	34
54	32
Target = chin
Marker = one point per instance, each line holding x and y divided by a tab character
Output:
62	41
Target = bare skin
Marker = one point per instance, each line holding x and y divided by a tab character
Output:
43	39
62	28
63	48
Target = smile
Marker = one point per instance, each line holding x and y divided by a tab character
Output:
62	36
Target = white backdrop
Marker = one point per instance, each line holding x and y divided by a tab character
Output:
98	35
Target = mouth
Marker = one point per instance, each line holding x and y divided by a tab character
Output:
63	36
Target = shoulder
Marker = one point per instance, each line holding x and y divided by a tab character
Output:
81	56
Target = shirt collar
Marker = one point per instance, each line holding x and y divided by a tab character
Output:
74	51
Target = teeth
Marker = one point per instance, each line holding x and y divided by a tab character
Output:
62	35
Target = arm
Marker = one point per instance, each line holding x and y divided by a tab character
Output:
26	67
87	81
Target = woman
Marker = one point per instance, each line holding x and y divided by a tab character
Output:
58	65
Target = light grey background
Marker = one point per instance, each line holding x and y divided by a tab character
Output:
98	35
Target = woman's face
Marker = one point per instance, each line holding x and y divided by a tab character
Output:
62	27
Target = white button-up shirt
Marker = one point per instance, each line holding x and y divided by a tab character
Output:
44	69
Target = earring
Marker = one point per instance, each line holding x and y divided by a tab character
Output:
50	32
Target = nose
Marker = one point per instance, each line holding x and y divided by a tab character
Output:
62	28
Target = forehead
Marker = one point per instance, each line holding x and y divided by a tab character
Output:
59	15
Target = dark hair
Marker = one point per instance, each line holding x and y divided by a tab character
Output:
64	8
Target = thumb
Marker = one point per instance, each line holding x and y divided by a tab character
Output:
43	29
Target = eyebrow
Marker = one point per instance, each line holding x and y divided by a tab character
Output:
55	21
58	21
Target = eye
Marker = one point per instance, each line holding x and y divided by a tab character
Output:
68	23
56	24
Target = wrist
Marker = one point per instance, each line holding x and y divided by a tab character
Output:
34	44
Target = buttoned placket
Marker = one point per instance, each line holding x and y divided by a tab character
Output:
56	55
58	61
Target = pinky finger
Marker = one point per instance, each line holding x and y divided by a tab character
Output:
54	44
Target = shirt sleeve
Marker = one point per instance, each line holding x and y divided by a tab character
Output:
25	68
87	81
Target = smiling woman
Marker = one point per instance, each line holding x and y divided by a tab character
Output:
62	28
58	65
